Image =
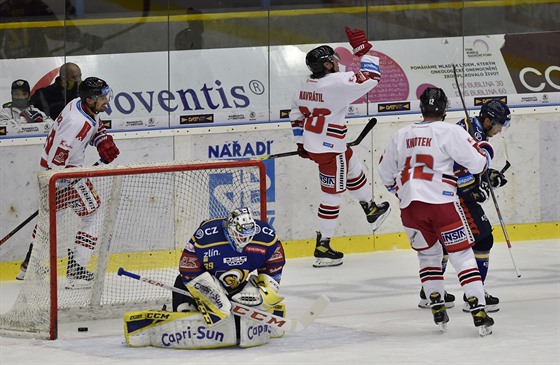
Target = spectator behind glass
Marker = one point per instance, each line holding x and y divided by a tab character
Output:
53	98
30	42
20	110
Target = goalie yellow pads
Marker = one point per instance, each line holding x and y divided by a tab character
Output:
188	330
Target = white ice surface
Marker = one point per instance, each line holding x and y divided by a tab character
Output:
373	319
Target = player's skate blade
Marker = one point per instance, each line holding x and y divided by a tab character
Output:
375	225
326	262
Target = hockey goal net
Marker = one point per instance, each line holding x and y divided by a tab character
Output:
145	215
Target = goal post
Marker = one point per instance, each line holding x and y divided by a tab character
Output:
140	216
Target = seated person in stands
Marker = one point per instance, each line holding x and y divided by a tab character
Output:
19	110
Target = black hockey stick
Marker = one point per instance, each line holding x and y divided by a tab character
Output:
487	178
30	218
369	126
240	310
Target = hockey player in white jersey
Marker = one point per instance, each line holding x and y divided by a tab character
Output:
318	112
417	167
78	126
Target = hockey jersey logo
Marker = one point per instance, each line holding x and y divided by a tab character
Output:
454	236
326	180
60	156
235	261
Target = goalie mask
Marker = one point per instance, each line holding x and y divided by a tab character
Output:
433	103
241	228
497	111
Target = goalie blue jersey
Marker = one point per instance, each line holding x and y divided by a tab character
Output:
209	249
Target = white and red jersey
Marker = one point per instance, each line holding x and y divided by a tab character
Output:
73	130
321	105
419	160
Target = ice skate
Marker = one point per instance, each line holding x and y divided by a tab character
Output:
376	214
481	319
78	276
438	311
324	255
425	303
492	303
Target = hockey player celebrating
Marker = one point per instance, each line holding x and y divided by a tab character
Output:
417	167
318	113
77	126
473	190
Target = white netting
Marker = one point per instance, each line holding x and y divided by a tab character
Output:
147	214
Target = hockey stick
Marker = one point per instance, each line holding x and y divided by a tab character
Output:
30	218
487	178
369	126
240	310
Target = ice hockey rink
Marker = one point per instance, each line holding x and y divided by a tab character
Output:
373	318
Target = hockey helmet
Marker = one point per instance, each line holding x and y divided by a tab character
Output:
433	102
241	227
497	111
92	87
317	56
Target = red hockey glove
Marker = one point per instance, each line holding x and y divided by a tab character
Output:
107	149
301	151
31	116
358	41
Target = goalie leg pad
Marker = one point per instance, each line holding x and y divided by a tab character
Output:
211	299
253	333
177	330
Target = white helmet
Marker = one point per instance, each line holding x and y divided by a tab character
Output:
241	227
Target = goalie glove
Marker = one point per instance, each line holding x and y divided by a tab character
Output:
31	116
358	41
259	291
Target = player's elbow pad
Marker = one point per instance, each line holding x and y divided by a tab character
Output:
487	150
369	66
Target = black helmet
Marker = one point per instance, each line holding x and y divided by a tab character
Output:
92	87
433	102
315	58
21	85
497	111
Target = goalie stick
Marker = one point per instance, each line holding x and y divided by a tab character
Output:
487	178
369	126
291	325
30	218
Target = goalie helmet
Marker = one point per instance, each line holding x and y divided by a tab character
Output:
316	57
433	103
241	228
497	111
92	87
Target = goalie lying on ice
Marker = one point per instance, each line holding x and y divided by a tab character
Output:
235	259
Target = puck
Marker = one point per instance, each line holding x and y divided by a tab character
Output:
82	329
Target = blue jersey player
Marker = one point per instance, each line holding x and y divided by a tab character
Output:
230	249
473	190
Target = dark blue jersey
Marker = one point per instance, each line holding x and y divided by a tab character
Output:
464	177
210	250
